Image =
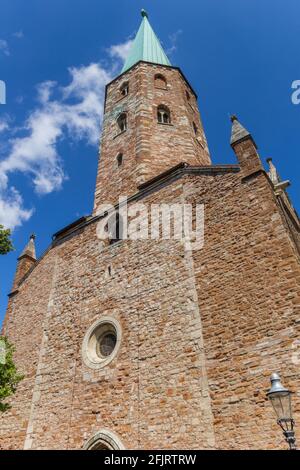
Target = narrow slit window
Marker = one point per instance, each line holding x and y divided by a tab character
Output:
124	90
122	122
116	233
160	81
120	159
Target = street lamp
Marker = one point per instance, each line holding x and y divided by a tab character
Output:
281	399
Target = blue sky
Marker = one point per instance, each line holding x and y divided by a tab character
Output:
55	57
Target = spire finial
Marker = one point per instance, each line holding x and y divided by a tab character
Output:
30	248
238	132
146	47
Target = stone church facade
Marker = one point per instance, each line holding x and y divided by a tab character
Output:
148	344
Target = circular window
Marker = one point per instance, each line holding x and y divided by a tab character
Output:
101	342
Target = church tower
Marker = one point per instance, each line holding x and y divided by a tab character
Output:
151	121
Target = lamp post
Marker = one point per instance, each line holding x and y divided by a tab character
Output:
281	400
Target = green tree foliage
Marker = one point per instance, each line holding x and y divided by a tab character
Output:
5	241
9	377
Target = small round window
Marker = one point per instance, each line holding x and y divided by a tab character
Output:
101	342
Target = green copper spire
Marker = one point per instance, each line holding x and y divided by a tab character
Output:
146	47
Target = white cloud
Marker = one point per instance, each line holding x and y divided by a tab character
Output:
121	51
19	99
18	34
72	112
3	125
4	47
12	213
174	41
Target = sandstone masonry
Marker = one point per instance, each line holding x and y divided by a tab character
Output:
202	330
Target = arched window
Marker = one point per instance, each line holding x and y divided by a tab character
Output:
122	122
195	128
124	90
115	228
163	115
120	159
160	81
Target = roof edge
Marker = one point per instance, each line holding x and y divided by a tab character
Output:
152	185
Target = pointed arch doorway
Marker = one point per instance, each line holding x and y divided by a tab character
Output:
104	440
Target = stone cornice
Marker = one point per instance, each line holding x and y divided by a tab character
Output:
153	185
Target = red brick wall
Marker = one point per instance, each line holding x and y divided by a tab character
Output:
201	333
25	263
154	394
23	325
248	278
